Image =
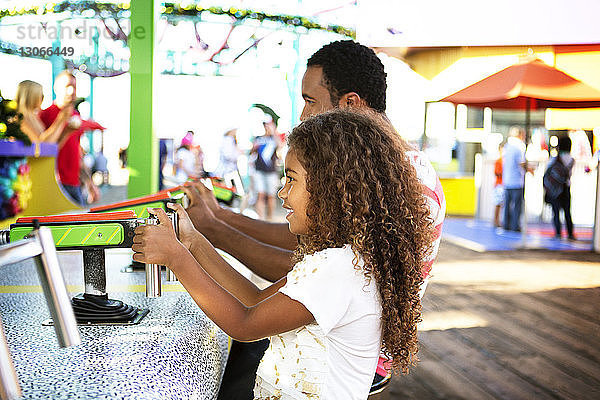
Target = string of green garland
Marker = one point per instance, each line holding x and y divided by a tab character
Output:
172	11
10	121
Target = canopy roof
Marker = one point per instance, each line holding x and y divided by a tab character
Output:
533	82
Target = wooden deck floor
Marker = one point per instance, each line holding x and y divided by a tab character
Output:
519	325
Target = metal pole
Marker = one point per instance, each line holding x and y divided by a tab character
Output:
56	60
424	136
9	383
153	282
175	223
524	206
94	271
143	147
57	297
596	237
90	135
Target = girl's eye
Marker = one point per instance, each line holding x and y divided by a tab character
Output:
289	179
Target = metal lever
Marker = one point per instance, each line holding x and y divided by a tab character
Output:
175	222
9	383
153	282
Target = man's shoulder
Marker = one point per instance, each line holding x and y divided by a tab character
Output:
425	171
48	115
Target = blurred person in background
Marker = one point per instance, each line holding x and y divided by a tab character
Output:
498	189
162	160
199	171
69	153
581	150
185	159
29	101
266	176
557	185
89	190
228	154
513	178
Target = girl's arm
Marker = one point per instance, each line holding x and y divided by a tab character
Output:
276	314
29	128
272	233
230	300
57	131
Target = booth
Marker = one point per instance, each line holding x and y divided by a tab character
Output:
35	181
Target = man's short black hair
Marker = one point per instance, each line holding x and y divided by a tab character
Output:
351	67
564	143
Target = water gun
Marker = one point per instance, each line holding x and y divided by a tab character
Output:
93	234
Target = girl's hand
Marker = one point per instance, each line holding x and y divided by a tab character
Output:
156	244
199	212
205	194
65	113
187	232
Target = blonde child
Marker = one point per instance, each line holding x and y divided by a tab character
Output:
29	100
355	203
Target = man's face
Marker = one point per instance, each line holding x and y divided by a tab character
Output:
316	96
66	89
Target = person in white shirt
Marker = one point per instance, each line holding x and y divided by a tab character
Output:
185	159
355	203
513	178
229	153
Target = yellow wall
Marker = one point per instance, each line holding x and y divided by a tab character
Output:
583	66
47	197
460	195
429	63
434	63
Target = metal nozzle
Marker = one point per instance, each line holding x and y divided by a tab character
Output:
175	221
153	282
185	201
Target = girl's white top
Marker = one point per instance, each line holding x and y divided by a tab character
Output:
188	162
336	356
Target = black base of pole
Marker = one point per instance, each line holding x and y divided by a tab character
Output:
99	309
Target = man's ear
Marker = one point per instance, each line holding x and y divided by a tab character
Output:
351	99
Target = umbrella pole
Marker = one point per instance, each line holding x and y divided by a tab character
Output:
524	206
424	136
596	232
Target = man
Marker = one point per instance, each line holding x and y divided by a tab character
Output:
266	176
69	153
557	185
513	177
340	74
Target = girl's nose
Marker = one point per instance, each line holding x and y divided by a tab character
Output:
282	193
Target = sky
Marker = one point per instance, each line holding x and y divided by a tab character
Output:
478	22
212	104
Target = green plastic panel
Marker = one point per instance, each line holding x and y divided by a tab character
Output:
78	235
222	194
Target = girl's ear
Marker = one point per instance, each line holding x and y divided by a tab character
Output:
351	99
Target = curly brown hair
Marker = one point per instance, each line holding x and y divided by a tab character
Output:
363	191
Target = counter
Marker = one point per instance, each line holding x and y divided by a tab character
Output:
47	197
175	352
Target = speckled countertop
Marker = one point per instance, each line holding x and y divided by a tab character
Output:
175	352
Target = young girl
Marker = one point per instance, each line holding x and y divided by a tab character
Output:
355	203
